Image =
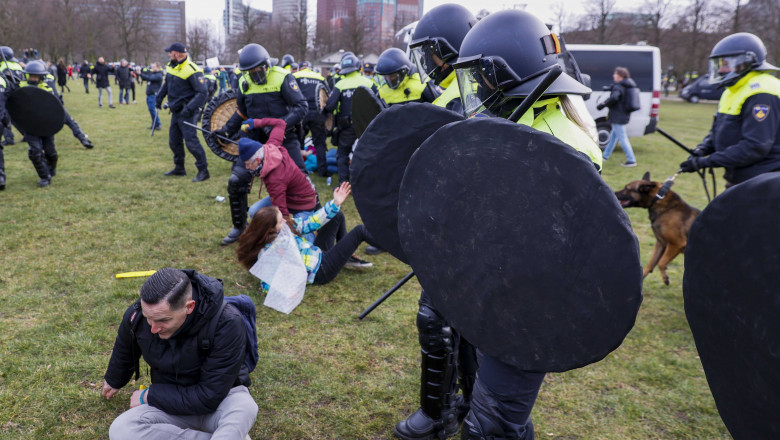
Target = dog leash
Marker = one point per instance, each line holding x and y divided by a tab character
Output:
702	173
666	187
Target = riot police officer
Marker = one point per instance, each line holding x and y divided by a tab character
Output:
446	357
265	92
495	68
743	138
399	86
435	46
41	152
186	90
340	103
14	74
308	82
287	62
334	76
3	90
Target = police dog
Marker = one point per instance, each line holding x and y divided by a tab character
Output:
670	218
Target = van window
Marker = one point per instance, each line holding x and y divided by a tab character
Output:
600	65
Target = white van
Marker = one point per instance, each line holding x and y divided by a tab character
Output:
643	62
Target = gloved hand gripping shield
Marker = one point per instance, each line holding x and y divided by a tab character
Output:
430	54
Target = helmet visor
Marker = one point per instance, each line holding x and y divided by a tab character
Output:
430	55
730	67
481	81
393	80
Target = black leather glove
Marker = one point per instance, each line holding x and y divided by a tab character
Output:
694	164
699	152
158	104
222	132
600	106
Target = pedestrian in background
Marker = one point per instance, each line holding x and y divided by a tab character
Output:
125	78
154	79
100	72
62	76
619	115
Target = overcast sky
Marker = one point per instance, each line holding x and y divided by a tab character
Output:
212	9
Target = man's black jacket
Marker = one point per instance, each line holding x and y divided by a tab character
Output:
183	383
100	73
618	114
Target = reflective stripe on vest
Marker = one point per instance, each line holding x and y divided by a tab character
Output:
451	91
273	83
751	84
40	85
209	76
10	65
183	70
398	95
354	80
306	73
553	121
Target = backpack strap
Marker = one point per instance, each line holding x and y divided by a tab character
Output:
207	342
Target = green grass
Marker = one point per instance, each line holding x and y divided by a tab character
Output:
323	374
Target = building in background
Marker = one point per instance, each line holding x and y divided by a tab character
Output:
381	19
286	11
168	19
236	14
332	16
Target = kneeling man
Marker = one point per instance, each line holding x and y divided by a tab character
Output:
194	394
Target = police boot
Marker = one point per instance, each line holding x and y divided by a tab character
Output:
201	176
2	180
51	161
467	375
483	426
43	172
237	193
177	171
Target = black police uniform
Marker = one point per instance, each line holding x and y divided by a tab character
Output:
340	101
280	97
41	151
314	122
3	115
14	74
185	88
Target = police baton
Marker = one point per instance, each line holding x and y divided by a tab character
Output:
536	93
386	295
154	121
210	133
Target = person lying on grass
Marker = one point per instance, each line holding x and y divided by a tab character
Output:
324	258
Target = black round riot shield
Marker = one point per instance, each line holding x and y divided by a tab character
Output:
216	114
732	303
379	161
35	111
521	245
365	107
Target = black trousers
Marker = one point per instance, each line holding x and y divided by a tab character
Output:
347	137
179	134
335	256
315	123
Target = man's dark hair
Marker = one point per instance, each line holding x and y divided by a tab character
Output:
170	284
622	71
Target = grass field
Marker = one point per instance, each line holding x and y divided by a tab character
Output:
323	374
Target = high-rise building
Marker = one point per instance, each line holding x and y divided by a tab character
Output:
332	15
168	19
286	11
236	14
380	18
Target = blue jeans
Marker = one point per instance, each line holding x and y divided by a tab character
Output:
150	101
124	95
618	133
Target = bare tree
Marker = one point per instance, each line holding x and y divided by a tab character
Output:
201	42
300	31
657	17
354	33
599	11
128	17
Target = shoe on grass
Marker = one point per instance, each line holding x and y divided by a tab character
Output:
628	164
357	262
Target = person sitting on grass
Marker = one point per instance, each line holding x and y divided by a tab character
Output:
323	259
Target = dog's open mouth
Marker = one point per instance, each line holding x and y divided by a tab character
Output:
624	203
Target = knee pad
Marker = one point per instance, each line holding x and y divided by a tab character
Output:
435	334
239	184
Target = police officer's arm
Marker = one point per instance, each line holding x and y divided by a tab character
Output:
760	119
333	101
198	83
161	94
234	123
429	94
3	98
123	357
298	107
706	146
218	373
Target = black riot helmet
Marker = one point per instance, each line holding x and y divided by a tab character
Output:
287	60
8	53
735	56
251	56
394	65
35	68
437	39
349	63
504	58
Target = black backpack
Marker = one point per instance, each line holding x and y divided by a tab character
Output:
248	312
631	100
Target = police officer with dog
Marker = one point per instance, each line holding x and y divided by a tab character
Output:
744	137
265	91
186	90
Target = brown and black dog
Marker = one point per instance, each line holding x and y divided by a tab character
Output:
671	219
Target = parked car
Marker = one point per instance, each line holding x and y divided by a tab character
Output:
701	89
